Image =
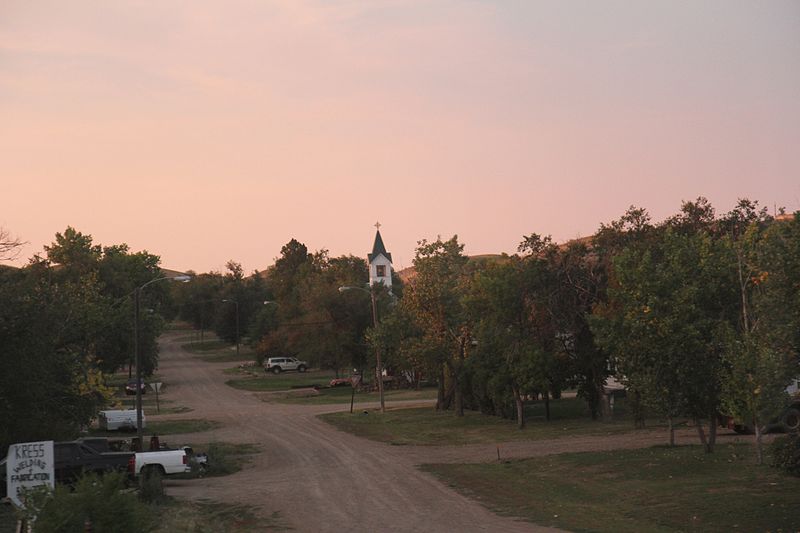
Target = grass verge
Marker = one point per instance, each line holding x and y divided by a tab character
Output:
653	489
285	381
224	458
165	407
341	395
424	426
206	516
164	427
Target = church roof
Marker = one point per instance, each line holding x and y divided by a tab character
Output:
379	248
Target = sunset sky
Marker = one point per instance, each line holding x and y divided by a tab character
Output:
206	131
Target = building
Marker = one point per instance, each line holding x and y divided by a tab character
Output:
380	262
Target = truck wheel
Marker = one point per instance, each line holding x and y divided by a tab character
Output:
301	368
791	420
149	471
276	370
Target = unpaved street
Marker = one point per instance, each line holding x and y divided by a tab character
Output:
316	477
321	479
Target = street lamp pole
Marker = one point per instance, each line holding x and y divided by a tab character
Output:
237	323
371	292
137	359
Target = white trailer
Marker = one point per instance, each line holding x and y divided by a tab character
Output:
119	420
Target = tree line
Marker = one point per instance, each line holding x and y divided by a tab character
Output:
66	322
697	315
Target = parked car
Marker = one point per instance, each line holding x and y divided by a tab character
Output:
130	387
276	365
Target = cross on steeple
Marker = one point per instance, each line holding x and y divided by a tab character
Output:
378	225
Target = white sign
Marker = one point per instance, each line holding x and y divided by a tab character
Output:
156	386
29	464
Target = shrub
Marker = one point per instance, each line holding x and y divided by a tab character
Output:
103	501
786	454
151	488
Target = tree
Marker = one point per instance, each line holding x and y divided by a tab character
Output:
435	299
669	299
9	245
576	286
762	347
515	331
49	384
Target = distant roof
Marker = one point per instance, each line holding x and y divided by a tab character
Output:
379	248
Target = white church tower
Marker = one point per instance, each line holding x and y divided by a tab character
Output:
380	262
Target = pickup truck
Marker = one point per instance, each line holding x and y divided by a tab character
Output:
164	462
74	457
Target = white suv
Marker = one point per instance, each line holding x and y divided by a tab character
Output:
276	365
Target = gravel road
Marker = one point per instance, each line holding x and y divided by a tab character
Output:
321	479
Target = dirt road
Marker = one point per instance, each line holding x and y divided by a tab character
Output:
321	479
316	477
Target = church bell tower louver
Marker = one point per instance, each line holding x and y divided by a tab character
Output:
380	262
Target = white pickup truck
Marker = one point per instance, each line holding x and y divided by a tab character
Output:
164	462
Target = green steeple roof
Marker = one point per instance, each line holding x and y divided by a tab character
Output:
379	248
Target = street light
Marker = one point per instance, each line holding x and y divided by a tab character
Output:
137	293
237	323
371	292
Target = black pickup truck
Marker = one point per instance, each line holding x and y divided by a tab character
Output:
77	456
74	457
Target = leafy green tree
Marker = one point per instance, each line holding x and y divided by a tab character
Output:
669	299
515	330
336	323
49	384
435	297
762	348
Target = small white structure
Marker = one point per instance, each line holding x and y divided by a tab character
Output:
380	262
119	420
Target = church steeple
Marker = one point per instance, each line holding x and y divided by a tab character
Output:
380	261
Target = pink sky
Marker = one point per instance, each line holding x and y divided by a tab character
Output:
207	131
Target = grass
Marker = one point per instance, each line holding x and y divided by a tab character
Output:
656	489
218	351
202	516
149	405
279	382
164	427
206	516
224	458
424	426
341	395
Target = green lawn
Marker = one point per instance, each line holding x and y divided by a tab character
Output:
341	395
163	427
284	381
424	426
655	489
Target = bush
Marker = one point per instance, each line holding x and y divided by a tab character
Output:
786	454
151	488
103	501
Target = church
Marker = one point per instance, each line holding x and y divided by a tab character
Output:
380	262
